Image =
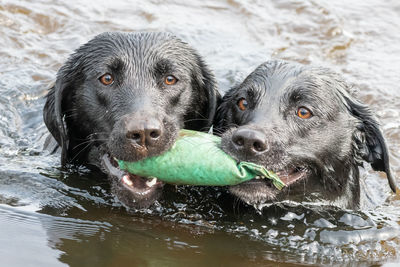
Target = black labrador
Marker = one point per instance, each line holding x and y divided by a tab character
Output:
302	123
126	95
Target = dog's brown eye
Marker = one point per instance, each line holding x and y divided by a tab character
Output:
107	79
170	80
304	113
242	104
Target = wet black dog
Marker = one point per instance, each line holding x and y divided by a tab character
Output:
302	123
126	95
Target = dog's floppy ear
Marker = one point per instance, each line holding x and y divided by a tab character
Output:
224	112
205	85
54	118
369	139
53	111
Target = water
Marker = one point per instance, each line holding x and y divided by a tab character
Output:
51	217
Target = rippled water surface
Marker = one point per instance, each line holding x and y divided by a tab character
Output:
51	217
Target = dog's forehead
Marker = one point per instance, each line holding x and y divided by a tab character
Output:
272	75
147	47
281	79
318	83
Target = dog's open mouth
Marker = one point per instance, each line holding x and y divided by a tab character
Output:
292	176
288	176
259	190
140	187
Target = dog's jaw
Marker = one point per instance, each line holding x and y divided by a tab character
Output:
259	191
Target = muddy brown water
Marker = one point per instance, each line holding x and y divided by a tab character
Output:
52	217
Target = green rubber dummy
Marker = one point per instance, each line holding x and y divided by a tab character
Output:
196	159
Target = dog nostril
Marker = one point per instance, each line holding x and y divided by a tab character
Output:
239	141
258	146
154	134
136	136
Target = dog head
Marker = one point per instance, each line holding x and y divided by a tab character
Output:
126	95
302	123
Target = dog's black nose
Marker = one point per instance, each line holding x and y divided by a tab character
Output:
249	140
144	132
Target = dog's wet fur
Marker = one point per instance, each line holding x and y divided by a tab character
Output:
126	96
302	123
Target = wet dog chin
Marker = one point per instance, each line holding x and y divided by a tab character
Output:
132	190
258	191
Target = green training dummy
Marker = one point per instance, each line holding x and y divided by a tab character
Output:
197	159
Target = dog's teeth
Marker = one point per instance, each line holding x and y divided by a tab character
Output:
151	182
126	180
258	177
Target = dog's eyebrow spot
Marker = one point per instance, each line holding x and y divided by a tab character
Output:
116	65
251	92
163	67
255	94
295	96
302	94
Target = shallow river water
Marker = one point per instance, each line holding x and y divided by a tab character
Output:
53	217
